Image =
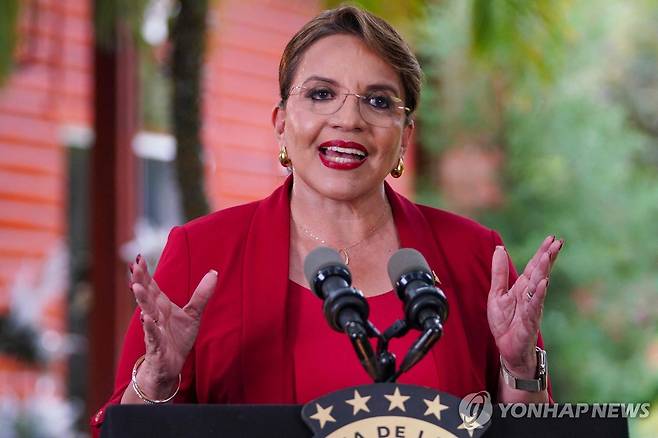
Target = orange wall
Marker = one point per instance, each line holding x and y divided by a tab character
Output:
241	75
48	89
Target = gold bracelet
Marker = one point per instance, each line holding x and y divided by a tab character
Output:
141	394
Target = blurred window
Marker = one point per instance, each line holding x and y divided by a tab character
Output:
161	205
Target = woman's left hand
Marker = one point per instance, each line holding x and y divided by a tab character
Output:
515	313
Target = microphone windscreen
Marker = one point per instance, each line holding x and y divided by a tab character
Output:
406	260
320	258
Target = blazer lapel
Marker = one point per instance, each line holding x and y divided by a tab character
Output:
266	367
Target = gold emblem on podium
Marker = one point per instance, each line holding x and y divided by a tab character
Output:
389	410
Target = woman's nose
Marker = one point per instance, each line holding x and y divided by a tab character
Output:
349	115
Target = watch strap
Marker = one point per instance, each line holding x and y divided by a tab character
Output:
531	385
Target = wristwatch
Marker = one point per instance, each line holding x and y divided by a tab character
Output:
531	385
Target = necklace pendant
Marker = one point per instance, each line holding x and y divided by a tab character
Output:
345	255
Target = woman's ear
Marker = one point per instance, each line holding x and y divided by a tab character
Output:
407	136
279	123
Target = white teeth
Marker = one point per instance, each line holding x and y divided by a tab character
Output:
342	160
347	151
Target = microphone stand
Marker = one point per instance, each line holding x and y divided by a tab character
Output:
359	337
384	369
428	337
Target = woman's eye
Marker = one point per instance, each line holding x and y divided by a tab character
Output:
379	101
320	94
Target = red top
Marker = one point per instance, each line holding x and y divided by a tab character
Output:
248	349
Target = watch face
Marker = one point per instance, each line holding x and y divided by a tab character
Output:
542	364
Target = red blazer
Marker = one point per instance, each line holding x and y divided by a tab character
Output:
245	321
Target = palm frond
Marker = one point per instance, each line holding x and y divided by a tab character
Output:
517	33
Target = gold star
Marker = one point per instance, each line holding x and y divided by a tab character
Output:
323	415
397	400
435	407
359	403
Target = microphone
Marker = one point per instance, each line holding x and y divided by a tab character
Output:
425	305
345	308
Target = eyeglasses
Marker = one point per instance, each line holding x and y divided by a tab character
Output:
379	108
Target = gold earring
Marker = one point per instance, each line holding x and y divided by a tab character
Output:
283	157
398	170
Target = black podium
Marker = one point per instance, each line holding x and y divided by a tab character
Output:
284	421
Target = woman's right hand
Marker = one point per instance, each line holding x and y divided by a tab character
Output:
169	331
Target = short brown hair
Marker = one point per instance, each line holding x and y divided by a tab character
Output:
376	33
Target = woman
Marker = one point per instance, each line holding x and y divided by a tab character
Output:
228	318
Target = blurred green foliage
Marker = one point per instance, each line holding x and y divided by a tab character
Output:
402	14
8	35
566	96
107	13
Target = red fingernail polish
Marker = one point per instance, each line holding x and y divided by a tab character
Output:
138	258
130	267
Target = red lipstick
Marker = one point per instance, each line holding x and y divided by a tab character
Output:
342	155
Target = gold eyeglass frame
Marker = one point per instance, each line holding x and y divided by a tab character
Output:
360	97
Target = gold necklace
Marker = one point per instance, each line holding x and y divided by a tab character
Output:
343	251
